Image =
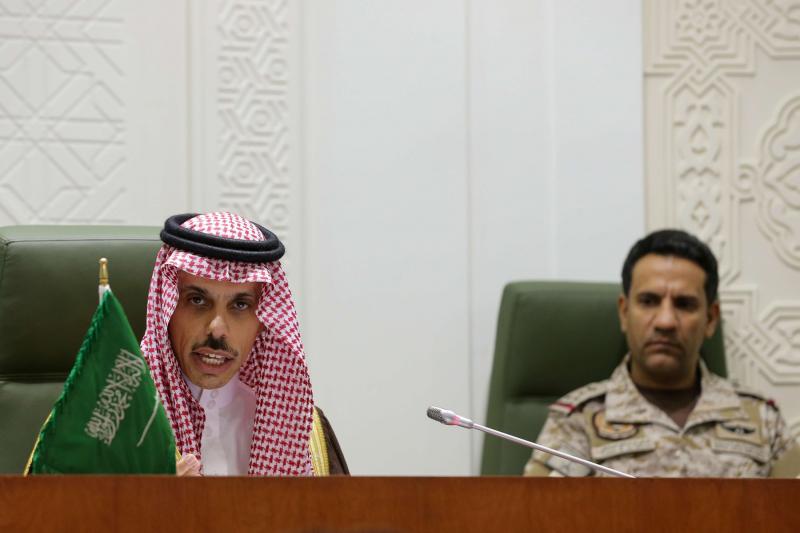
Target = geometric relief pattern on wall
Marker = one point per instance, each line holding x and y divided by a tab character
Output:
699	122
252	101
697	54
767	343
782	320
773	181
747	344
62	120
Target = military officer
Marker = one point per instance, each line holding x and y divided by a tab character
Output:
662	412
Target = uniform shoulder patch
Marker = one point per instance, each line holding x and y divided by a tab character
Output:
610	431
751	393
573	401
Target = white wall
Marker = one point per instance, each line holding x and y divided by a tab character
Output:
93	111
452	147
387	238
414	155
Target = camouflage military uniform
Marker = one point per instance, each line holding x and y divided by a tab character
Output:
730	432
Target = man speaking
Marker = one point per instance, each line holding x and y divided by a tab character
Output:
223	345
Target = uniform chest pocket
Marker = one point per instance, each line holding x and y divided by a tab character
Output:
609	450
742	439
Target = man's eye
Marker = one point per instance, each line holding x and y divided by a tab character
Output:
687	304
196	300
241	306
647	299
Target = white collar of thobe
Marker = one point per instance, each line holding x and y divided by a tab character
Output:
221	396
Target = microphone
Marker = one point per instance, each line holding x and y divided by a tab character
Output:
449	418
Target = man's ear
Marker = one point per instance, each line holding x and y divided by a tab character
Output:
622	310
713	318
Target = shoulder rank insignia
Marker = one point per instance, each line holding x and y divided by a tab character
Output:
564	407
741	390
744	391
611	431
772	404
569	403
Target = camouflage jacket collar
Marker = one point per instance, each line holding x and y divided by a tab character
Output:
625	404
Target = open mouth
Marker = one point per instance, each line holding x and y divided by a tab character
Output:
213	362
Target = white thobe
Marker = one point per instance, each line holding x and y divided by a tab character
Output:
228	431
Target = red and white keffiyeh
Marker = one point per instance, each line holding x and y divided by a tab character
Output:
275	370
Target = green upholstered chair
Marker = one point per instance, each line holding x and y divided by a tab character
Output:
48	293
553	337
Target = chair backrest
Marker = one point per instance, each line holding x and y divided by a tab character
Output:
48	293
553	337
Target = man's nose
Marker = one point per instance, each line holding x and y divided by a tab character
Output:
217	328
666	319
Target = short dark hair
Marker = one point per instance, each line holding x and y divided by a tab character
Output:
680	244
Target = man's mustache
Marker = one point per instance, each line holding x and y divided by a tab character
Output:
216	344
671	341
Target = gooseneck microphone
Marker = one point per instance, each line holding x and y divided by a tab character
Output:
449	418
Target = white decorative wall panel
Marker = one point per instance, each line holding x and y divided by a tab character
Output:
252	103
62	118
722	83
247	115
74	146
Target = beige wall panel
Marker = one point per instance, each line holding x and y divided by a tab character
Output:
245	93
722	92
92	111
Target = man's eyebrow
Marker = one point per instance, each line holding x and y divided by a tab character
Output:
203	292
244	295
195	288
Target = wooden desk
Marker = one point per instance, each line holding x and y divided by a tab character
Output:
95	503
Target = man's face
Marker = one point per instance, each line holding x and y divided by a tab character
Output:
665	318
213	328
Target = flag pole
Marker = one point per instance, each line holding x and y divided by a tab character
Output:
103	285
102	288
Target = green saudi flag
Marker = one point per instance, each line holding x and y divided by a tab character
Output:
108	419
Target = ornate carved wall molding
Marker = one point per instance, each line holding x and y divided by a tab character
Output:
723	145
253	176
773	181
62	118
